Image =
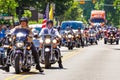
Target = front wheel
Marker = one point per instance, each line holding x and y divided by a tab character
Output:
111	41
105	41
47	62
18	63
117	42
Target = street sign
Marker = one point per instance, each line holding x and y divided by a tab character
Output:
8	17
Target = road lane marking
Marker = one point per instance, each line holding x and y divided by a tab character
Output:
65	57
15	76
26	76
12	77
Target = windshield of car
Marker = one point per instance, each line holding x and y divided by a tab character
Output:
96	20
73	25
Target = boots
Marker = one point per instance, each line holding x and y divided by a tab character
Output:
39	68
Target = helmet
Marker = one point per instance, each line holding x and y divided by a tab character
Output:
16	23
79	28
49	21
23	19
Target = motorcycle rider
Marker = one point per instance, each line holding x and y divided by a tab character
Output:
50	30
24	24
2	33
111	30
79	31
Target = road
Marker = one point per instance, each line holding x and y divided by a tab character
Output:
97	62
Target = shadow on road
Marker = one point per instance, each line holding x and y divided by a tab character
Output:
54	68
116	48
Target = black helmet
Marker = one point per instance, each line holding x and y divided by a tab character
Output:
16	23
79	28
23	19
49	21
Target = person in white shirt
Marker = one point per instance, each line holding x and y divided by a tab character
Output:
50	30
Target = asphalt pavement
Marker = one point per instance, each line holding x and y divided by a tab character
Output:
96	62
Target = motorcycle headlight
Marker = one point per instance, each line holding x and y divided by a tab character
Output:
47	41
77	35
10	39
111	34
69	36
6	46
41	41
20	44
54	41
92	35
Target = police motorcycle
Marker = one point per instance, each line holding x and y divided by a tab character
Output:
112	37
79	40
21	56
50	53
86	37
2	53
70	40
6	47
92	37
36	41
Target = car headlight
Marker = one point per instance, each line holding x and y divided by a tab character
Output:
20	44
47	41
54	41
69	36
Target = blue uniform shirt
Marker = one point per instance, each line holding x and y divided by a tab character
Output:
2	33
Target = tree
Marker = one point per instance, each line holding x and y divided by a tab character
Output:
74	13
8	6
87	7
27	13
60	8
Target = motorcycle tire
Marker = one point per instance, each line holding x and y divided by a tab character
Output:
96	42
17	64
117	42
71	48
78	45
47	62
111	41
105	42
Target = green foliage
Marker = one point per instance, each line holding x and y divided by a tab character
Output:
60	8
74	13
87	7
8	6
27	13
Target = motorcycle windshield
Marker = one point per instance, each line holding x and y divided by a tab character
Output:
21	34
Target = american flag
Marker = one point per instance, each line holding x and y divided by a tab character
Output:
46	16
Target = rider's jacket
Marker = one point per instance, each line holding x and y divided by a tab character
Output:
17	27
51	31
2	33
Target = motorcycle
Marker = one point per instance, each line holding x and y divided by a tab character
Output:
2	56
70	41
111	38
36	42
7	45
21	56
79	41
92	38
50	54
